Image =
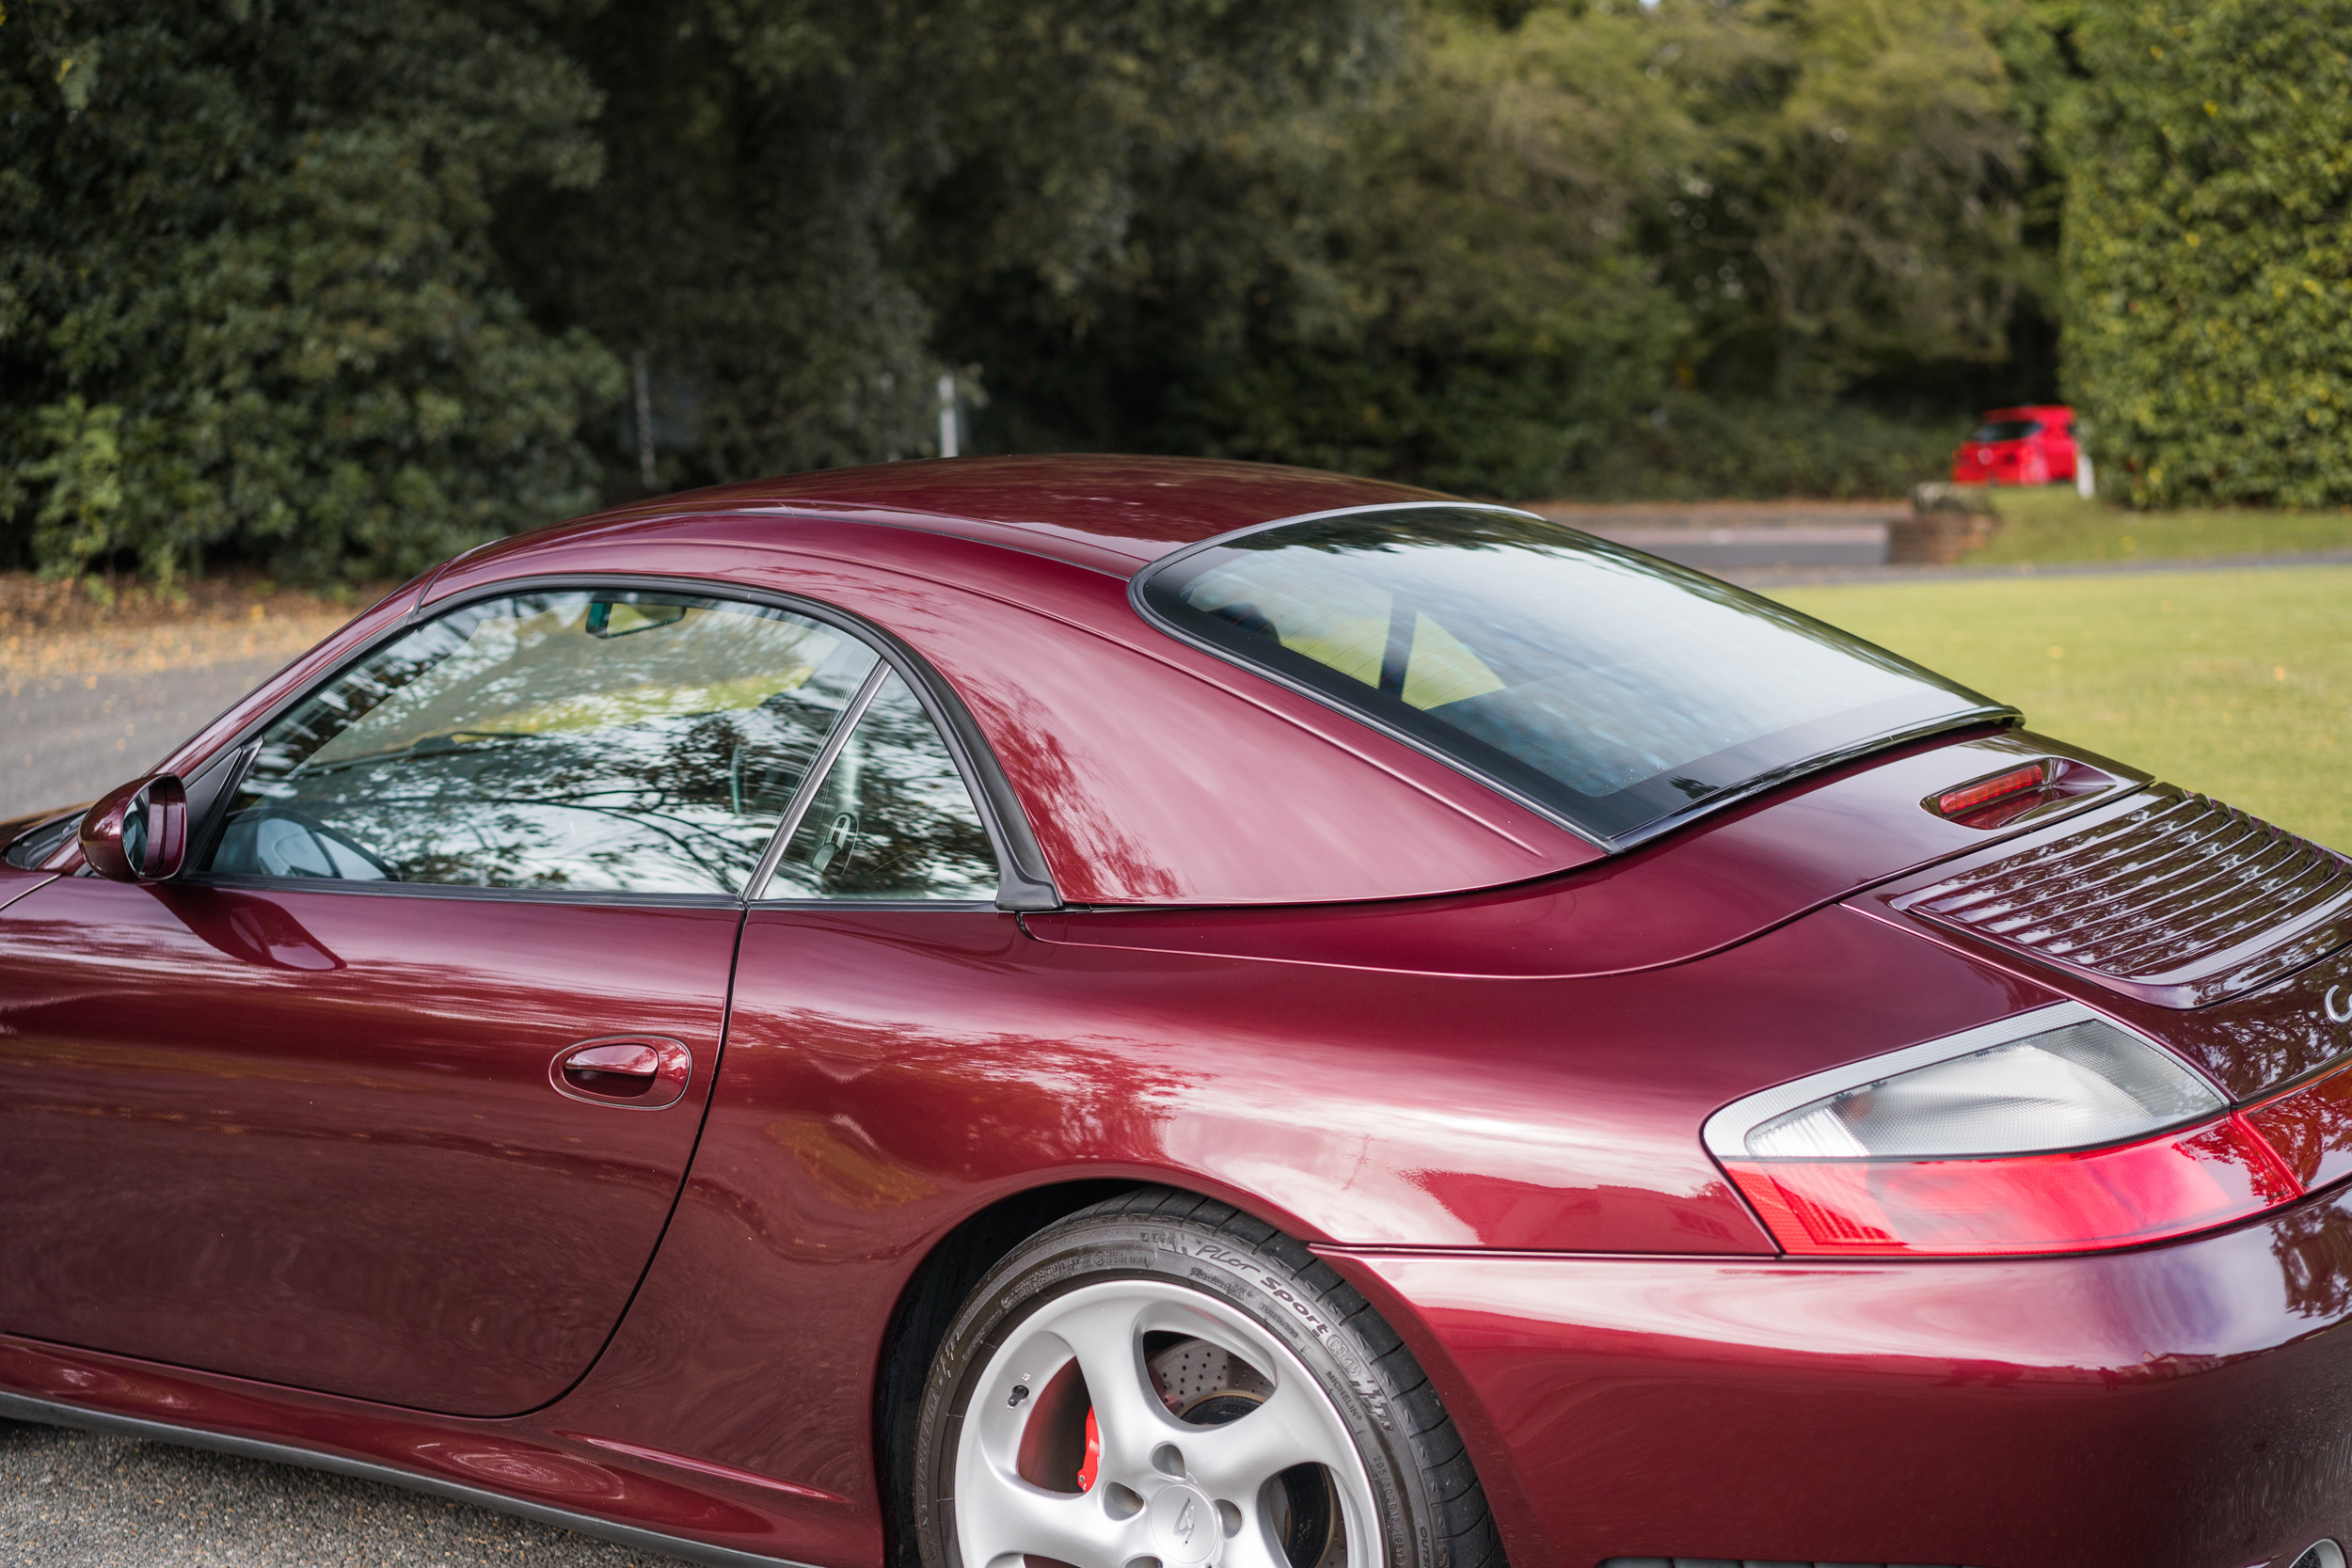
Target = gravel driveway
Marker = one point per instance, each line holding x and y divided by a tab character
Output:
82	1500
71	737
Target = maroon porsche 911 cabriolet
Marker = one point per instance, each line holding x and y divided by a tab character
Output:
1132	1013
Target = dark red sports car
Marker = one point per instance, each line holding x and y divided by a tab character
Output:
1142	1014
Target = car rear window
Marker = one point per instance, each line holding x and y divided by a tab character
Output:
1616	692
2006	430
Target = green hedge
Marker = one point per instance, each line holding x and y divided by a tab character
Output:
247	301
2208	250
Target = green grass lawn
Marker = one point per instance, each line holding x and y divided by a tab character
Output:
2051	523
2235	683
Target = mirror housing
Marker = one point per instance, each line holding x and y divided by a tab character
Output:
139	832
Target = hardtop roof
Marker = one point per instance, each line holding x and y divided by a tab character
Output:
1109	513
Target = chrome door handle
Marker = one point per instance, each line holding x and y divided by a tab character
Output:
631	1073
635	1058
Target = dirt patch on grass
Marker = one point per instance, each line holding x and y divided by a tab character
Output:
51	628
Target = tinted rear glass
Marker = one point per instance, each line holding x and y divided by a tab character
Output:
1611	689
2005	430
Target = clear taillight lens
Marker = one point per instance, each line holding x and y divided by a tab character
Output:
2086	1082
2061	1134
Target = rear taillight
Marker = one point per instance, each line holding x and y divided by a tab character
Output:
2053	1131
2073	1201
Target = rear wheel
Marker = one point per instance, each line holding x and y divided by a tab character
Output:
1161	1382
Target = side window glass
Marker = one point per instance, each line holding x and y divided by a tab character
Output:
892	818
633	742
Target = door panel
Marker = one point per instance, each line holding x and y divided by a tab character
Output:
311	1137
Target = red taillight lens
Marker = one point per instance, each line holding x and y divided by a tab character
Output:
2311	1128
2052	1130
1968	796
2076	1201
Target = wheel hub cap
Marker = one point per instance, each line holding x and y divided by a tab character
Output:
1183	1526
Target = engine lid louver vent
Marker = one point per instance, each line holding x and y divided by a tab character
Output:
2174	897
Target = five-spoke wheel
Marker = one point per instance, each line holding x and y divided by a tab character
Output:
1138	1423
1162	1383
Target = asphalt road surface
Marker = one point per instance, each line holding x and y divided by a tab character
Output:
66	739
80	1500
1716	549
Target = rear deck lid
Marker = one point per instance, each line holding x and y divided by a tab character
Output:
2224	936
2168	897
1721	881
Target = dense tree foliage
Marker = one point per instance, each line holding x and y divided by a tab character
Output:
793	186
1503	258
247	297
2210	251
342	288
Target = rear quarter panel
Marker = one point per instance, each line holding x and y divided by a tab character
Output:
2182	1407
890	1073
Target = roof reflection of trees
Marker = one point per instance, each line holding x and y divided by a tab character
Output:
456	1043
883	1114
1068	801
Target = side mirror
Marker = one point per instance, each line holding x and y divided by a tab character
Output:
139	832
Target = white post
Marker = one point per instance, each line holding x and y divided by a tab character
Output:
946	416
2085	482
644	422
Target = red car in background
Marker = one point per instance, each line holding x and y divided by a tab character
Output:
1131	1013
2033	445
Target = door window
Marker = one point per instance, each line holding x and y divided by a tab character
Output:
892	818
604	742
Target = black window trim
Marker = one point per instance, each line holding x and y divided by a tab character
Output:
836	740
1656	827
36	824
1024	882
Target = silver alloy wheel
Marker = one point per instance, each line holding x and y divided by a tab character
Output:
1210	1445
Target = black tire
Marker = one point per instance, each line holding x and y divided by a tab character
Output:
1431	1510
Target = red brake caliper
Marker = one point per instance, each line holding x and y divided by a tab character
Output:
1094	1452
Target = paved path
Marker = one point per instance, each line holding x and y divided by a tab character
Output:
79	1500
1715	536
1856	546
1790	575
66	738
